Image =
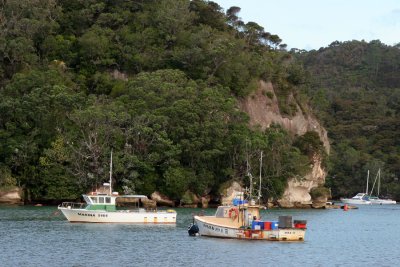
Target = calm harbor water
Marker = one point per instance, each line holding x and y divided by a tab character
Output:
33	236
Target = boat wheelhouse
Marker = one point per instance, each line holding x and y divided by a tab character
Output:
359	199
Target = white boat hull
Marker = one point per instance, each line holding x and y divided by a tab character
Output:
383	202
123	216
355	201
214	230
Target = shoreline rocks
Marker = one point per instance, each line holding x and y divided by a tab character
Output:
162	200
11	196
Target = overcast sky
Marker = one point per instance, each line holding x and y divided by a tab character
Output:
311	24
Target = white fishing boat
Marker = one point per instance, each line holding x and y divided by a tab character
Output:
375	199
241	220
102	208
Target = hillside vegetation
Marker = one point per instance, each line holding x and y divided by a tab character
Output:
156	81
355	90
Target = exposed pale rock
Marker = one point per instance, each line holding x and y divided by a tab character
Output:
142	202
320	202
263	111
116	74
270	205
284	203
298	190
318	205
230	193
162	200
149	204
204	201
11	196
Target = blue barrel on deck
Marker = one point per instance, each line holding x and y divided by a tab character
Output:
257	225
253	224
274	225
237	202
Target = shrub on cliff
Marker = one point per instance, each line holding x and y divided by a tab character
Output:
320	192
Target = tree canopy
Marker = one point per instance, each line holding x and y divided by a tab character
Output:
355	90
157	82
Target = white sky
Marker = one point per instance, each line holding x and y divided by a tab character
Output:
311	24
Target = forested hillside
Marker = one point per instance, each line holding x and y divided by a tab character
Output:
156	81
355	90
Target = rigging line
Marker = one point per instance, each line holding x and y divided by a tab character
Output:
373	186
379	181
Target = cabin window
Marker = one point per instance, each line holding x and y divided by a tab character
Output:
101	200
94	199
221	212
108	199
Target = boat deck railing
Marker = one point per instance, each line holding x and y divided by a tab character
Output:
143	210
73	205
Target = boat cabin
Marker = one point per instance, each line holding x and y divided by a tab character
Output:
103	199
245	214
100	201
223	212
362	196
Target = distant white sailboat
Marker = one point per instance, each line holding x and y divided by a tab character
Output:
360	198
375	199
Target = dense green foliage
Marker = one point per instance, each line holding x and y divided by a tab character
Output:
355	90
155	81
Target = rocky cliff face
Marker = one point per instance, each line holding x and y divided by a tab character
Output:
263	110
11	196
297	193
230	193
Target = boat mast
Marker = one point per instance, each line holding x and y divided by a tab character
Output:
366	191
249	174
259	190
376	178
379	181
111	173
250	178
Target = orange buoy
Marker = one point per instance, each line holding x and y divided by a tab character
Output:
345	208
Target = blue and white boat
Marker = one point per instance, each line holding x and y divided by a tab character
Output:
359	199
